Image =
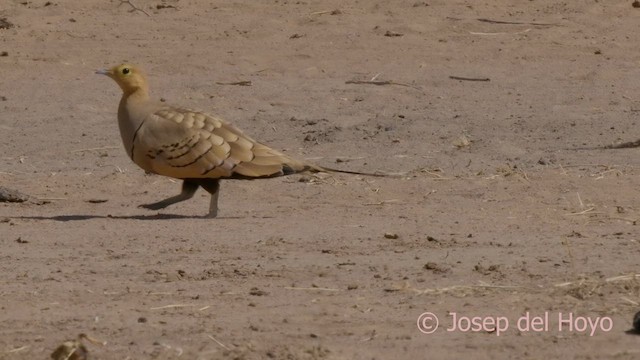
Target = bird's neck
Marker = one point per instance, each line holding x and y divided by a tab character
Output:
131	115
136	94
132	101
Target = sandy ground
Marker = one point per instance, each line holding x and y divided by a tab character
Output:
495	215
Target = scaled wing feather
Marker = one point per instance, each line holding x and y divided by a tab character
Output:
185	144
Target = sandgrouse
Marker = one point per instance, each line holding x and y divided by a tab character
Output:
193	146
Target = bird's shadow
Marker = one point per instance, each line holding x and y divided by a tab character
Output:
65	218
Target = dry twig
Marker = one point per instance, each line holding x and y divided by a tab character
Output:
583	212
332	12
514	22
134	7
96	149
172	306
21	348
218	342
468	78
311	288
239	83
499	33
379	82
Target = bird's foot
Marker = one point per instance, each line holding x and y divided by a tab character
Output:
212	214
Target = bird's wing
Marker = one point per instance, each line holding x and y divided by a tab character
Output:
183	143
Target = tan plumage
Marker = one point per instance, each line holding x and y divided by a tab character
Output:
190	145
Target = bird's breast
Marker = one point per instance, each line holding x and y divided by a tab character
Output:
130	120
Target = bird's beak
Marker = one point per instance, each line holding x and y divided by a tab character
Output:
104	72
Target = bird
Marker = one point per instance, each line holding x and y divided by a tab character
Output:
196	147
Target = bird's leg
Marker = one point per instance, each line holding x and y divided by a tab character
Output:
188	189
212	186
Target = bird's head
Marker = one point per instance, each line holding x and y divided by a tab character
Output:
129	77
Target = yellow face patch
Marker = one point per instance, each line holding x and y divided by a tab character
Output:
127	76
122	71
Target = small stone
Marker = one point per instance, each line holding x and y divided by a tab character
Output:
391	236
462	141
10	195
392	34
430	266
257	292
97	201
5	24
436	268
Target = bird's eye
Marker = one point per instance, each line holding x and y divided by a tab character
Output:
125	71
